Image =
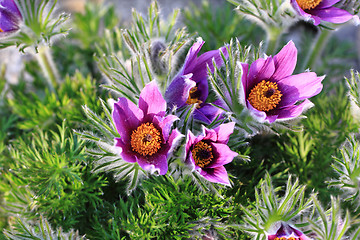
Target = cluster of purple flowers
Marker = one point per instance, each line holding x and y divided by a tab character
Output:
271	92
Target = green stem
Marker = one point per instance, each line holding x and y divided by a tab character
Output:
274	34
47	64
316	50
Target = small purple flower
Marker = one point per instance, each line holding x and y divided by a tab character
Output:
145	130
190	86
10	16
271	92
318	10
208	153
286	232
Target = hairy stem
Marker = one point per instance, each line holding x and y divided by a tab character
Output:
48	67
316	50
274	35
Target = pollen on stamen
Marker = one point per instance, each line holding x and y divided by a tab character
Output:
1	30
146	139
193	96
308	4
202	154
265	96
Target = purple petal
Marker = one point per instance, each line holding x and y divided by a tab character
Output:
158	163
294	110
151	100
10	6
191	57
223	155
332	14
244	81
210	135
200	69
178	91
326	3
307	16
224	131
271	118
258	115
285	61
298	87
174	138
216	175
127	117
207	113
165	124
261	69
126	153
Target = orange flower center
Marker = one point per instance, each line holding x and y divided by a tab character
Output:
285	238
146	139
202	154
193	96
308	4
1	30
265	96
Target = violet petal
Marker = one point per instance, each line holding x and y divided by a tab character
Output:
178	91
285	61
223	154
332	14
151	100
127	117
217	175
126	153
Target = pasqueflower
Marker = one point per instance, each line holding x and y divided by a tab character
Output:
208	153
286	232
190	86
10	16
146	136
271	92
321	10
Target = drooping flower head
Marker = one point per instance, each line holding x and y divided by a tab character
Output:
145	130
190	86
208	153
286	232
271	92
321	10
10	16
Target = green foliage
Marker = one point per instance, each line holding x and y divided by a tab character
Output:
270	208
63	192
41	25
46	111
173	209
217	25
331	225
26	230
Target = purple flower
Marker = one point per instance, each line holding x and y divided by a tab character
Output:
208	153
318	10
190	86
145	130
286	232
10	16
271	92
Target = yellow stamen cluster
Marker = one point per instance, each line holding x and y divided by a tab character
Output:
193	97
285	238
202	154
308	4
1	30
146	139
265	96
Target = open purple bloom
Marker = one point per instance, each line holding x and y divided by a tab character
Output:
286	232
271	92
145	130
10	16
208	153
190	86
321	10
